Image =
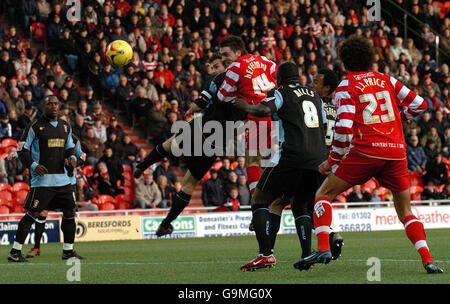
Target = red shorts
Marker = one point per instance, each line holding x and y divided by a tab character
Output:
253	139
357	169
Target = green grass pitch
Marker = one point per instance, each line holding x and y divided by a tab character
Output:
217	260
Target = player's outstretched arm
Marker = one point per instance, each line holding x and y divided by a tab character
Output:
413	104
258	110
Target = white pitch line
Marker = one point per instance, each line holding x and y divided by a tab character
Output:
208	262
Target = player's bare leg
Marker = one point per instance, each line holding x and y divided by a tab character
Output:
261	220
414	229
179	201
331	187
39	228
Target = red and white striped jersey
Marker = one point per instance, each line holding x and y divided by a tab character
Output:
368	120
250	77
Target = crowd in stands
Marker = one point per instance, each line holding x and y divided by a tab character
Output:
172	42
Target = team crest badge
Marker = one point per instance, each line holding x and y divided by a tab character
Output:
65	128
35	203
20	145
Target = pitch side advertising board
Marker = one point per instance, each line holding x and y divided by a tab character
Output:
8	231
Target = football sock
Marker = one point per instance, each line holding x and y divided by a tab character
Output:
155	156
275	220
39	228
416	234
322	215
68	229
179	201
22	231
303	223
261	220
253	175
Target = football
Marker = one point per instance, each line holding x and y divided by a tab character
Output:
119	53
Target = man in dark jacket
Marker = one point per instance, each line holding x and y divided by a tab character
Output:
114	165
213	190
164	169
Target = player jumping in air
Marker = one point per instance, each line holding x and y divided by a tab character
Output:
47	148
369	129
197	166
249	77
302	148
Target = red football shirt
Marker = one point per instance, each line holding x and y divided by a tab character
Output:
368	119
250	77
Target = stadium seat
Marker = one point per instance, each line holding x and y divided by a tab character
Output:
369	186
104	199
8	203
120	198
5	187
19	209
129	193
38	31
416	193
128	178
127	168
415	178
124	206
88	170
6	195
218	165
21	196
9	142
107	206
206	177
20	186
4	209
234	165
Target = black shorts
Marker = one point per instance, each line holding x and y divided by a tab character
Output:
50	198
199	165
299	184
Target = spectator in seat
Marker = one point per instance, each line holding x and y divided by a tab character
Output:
109	82
376	197
93	147
79	128
3	173
114	144
5	127
97	112
417	159
106	182
147	192
7	67
125	96
157	123
14	168
83	196
27	117
15	124
166	191
140	107
232	181
114	164
225	169
436	171
358	196
430	193
165	169
130	151
116	128
232	201
240	169
213	190
99	130
431	151
244	191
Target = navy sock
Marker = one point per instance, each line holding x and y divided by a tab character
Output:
261	221
304	223
68	228
275	220
24	228
179	201
39	228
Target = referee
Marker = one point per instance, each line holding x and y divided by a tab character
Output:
47	148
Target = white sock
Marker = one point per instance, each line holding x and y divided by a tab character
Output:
17	246
67	246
